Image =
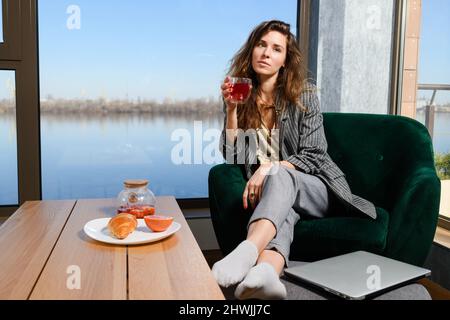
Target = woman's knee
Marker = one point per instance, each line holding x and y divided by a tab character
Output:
280	176
277	169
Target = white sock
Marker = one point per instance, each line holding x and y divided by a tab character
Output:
261	282
234	267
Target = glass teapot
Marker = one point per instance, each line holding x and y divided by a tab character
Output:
136	199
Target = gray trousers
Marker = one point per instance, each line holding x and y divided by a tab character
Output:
287	195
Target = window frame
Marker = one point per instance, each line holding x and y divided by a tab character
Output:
398	56
19	53
10	49
401	27
444	222
303	21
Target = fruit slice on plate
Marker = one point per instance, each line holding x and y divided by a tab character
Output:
158	223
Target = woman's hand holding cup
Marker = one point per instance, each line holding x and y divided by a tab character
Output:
227	89
236	91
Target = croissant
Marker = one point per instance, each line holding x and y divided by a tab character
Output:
122	225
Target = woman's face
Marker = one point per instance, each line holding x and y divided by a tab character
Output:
269	54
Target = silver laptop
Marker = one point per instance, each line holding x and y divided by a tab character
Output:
357	275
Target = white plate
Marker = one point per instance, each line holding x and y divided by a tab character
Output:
98	230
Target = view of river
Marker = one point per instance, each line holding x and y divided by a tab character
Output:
90	156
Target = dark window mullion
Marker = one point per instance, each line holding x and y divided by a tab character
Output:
27	97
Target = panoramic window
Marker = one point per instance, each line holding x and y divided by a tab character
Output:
8	139
131	90
433	97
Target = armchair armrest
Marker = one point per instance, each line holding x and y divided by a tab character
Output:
226	183
414	217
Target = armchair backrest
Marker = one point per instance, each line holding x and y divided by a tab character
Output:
378	153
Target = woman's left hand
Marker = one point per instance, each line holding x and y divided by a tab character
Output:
253	189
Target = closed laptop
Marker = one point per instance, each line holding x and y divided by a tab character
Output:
357	275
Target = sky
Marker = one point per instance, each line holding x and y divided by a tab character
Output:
434	51
147	49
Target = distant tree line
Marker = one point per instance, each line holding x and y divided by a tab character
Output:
203	106
104	106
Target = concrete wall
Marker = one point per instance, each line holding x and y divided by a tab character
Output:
353	44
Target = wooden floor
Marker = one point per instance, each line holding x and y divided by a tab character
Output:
436	291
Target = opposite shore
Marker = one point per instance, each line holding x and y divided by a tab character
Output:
103	106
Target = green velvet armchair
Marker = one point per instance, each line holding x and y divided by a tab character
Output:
386	159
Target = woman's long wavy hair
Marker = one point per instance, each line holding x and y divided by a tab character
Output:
291	78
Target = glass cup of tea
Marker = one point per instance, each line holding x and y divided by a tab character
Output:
240	89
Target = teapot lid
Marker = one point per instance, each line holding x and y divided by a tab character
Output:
135	183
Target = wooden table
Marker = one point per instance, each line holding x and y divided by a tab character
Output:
43	248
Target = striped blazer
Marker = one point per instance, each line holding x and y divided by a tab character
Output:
304	145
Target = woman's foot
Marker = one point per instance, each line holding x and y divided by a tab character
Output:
261	282
235	266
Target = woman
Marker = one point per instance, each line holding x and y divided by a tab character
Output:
295	177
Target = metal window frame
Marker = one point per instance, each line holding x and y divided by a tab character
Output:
303	23
398	56
9	48
19	52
